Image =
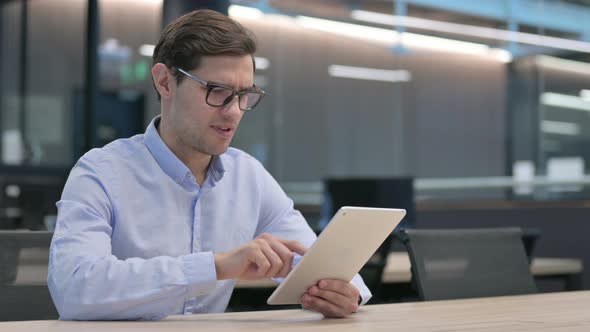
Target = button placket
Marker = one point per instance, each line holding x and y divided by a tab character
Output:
190	305
196	224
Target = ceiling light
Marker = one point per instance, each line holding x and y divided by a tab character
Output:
565	101
147	50
261	63
392	38
370	74
423	41
550	62
560	128
472	30
349	30
244	12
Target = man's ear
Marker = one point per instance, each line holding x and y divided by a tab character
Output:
163	80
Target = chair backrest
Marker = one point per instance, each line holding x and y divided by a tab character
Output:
530	237
391	192
372	271
11	243
23	300
466	263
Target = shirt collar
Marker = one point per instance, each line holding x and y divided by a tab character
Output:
169	162
216	169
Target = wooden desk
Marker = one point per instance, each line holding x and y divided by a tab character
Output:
398	270
566	311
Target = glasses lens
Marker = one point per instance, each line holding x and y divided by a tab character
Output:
249	100
219	96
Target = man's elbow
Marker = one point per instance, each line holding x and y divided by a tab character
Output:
66	309
72	304
69	300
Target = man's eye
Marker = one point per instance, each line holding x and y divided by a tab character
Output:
220	91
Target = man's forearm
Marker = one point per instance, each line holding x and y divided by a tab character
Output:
111	289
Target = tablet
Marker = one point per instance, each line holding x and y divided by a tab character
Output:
344	246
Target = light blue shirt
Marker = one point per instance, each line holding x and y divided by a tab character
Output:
135	233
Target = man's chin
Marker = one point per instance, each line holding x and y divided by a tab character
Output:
216	151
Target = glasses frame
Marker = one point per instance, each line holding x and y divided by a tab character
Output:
210	86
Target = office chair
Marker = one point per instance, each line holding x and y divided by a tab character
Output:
22	301
530	237
392	192
372	271
467	263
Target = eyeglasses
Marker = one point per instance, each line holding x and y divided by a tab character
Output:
219	95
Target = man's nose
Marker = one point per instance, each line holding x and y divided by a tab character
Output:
232	107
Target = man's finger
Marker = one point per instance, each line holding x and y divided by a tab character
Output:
294	246
345	288
276	264
286	256
287	264
261	262
346	303
324	307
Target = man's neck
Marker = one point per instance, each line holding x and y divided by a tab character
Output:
196	161
198	166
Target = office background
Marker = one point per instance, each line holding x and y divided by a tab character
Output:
455	106
484	104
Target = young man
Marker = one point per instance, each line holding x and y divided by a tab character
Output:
165	222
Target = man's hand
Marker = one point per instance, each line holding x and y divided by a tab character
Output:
264	257
332	298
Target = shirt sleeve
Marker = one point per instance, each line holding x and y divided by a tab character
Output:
279	218
87	282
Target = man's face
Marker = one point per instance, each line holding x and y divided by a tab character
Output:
201	127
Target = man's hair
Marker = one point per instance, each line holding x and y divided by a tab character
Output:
200	33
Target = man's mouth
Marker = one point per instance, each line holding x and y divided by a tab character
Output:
225	131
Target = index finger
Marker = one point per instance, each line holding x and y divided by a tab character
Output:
294	246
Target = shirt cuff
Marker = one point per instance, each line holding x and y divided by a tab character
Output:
199	270
364	291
